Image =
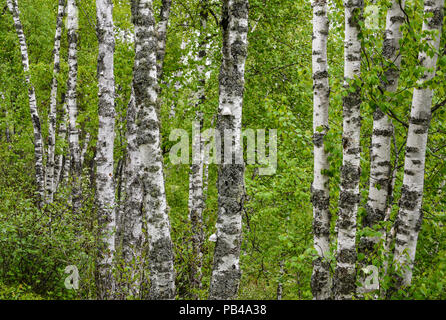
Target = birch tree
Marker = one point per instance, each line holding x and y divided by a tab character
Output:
196	202
161	36
380	184
226	269
345	273
50	176
320	280
131	220
62	134
150	171
73	135
38	141
410	216
105	189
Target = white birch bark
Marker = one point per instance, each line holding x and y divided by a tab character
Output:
67	156
380	149
196	179
409	219
162	36
196	202
345	273
50	176
226	269
73	135
38	141
178	74
62	134
105	187
162	273
320	279
131	220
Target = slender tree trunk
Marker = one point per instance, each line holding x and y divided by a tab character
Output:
162	36
62	134
38	141
105	187
320	280
380	149
131	221
50	177
345	272
177	85
409	219
196	202
67	156
73	136
226	270
162	273
196	197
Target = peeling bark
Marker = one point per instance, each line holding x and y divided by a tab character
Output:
145	85
320	279
226	270
408	221
38	141
345	273
105	186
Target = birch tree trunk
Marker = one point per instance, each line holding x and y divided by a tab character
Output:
320	279
162	273
131	220
226	270
62	134
38	141
105	187
345	273
73	135
50	176
196	197
380	149
162	36
67	157
409	219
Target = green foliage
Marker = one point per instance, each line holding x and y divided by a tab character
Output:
36	245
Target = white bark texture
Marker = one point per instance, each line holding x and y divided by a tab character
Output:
196	197
345	273
105	187
320	279
409	219
380	149
38	141
226	269
162	36
67	157
162	273
131	219
62	134
73	135
50	176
